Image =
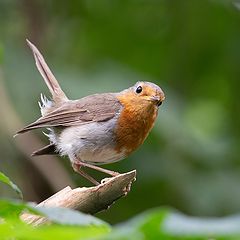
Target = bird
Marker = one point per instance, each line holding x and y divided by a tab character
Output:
96	129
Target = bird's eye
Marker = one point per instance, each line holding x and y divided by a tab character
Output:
139	89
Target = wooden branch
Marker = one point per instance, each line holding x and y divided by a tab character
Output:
88	200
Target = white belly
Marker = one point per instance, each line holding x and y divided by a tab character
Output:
93	143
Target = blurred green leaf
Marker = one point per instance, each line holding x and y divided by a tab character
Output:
13	208
68	232
70	217
9	208
178	224
6	180
144	226
159	223
165	224
12	227
60	232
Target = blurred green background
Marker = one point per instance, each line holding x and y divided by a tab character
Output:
190	48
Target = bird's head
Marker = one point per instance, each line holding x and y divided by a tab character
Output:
143	94
148	91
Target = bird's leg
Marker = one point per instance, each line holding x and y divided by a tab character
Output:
109	172
77	168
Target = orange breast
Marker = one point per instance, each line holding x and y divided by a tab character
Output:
134	123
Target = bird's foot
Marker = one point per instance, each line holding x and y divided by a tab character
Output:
99	169
77	168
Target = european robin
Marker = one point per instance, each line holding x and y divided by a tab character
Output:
96	129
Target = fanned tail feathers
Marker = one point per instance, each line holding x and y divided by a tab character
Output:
57	93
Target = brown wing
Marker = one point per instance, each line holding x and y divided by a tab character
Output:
93	108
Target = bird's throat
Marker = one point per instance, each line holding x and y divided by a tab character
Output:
134	125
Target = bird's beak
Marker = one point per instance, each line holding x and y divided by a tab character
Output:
157	99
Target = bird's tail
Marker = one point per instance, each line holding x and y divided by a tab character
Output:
58	95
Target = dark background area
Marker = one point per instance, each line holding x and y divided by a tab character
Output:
190	48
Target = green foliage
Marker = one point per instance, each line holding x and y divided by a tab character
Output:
159	223
56	215
65	223
6	180
12	209
20	230
70	217
166	224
